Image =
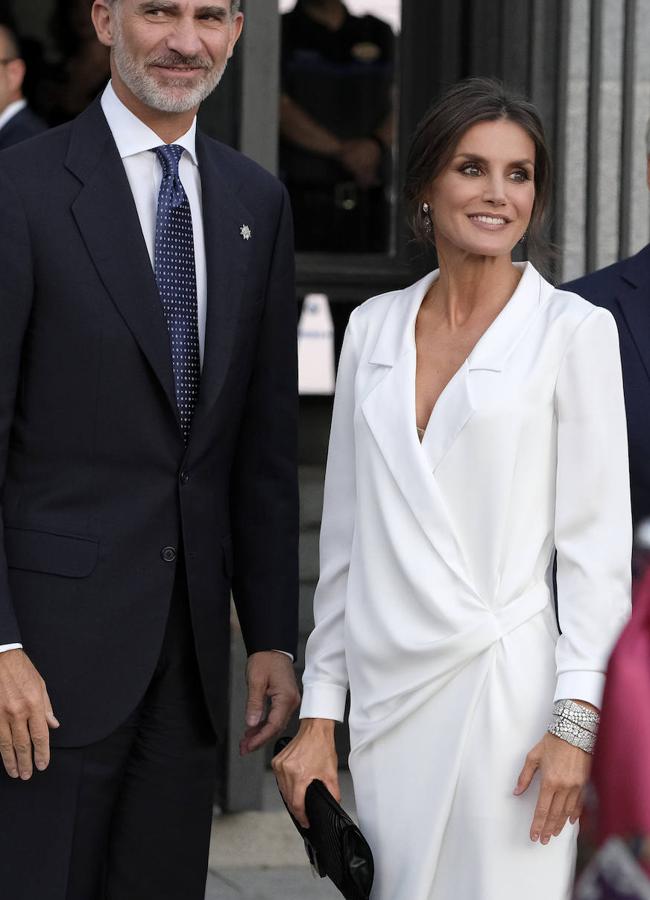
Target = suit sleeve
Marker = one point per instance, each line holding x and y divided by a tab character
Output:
593	528
16	289
325	679
264	494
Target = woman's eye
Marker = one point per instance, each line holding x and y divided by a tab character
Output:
520	175
471	169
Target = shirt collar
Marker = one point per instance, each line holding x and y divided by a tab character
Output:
131	134
12	110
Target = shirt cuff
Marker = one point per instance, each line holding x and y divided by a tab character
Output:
323	701
5	647
586	686
285	653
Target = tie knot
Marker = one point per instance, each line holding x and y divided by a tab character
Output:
169	156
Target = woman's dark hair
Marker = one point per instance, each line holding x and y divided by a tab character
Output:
465	104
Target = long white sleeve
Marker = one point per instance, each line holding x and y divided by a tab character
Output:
325	679
593	528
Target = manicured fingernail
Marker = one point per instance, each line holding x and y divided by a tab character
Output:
13	773
545	840
25	776
534	836
41	766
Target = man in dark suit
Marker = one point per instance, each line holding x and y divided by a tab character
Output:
148	411
624	289
17	121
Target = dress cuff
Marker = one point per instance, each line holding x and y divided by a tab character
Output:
323	701
586	686
5	647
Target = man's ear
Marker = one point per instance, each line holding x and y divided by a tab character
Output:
103	16
16	75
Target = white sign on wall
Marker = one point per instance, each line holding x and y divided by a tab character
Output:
316	346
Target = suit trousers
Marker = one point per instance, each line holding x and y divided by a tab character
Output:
127	818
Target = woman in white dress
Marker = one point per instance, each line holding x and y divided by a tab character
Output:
478	428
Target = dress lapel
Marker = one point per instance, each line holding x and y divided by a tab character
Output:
389	407
389	410
462	396
107	218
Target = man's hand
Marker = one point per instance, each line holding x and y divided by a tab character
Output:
564	771
270	676
26	716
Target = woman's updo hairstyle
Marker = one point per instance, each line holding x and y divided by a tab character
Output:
465	104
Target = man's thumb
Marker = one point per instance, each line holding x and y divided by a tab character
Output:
255	704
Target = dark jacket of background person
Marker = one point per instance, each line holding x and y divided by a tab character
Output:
624	289
20	127
24	123
100	496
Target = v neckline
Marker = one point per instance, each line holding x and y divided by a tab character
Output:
464	366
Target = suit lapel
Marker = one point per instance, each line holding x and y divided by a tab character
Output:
108	221
634	301
228	256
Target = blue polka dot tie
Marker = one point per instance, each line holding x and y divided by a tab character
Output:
176	277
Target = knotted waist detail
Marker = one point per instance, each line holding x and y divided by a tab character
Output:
431	666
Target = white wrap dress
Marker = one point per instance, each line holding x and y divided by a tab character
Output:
435	601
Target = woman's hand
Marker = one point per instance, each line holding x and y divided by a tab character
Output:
564	771
311	755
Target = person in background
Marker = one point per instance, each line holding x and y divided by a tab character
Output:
17	121
83	67
624	289
336	130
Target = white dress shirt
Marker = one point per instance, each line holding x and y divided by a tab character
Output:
135	141
10	111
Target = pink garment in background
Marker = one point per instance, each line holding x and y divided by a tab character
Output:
621	771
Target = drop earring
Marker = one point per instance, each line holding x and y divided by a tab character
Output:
523	238
426	214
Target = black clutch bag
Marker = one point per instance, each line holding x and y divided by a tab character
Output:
335	846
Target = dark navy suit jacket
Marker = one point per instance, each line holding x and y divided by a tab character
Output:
98	491
23	125
624	289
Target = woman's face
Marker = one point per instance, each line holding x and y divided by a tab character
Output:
482	201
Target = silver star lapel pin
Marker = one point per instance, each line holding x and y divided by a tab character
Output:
245	232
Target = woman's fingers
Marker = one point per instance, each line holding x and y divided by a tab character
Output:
311	755
573	807
556	817
542	810
526	775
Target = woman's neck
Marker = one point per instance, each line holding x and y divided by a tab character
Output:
469	284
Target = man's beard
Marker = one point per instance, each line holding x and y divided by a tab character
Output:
175	96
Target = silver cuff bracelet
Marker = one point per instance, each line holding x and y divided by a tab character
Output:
575	724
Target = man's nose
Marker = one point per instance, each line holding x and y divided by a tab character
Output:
184	38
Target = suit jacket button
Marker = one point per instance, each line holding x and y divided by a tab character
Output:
168	554
184	477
